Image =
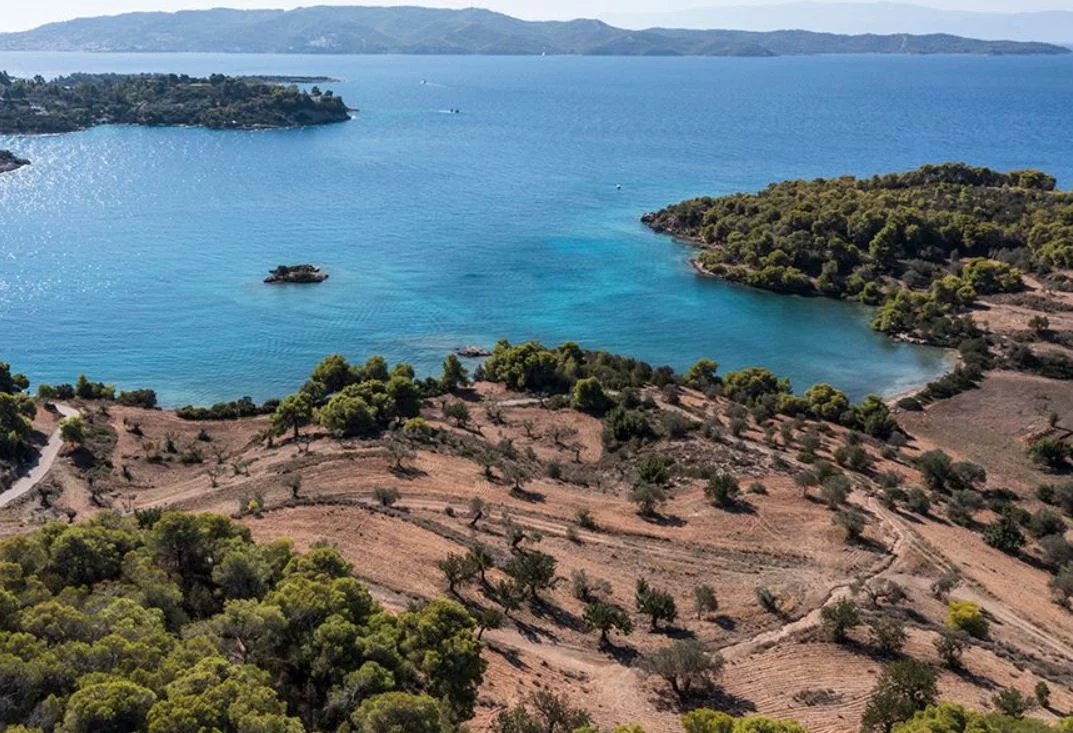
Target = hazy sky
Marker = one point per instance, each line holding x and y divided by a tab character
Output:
22	14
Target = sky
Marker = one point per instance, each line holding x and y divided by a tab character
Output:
16	15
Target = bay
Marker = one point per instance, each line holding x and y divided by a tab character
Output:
136	255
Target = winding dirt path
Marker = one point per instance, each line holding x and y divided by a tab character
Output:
45	460
970	590
837	592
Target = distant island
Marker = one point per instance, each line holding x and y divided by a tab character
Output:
79	101
10	162
296	274
415	30
860	16
922	245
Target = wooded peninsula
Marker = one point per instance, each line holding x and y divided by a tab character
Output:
79	101
923	245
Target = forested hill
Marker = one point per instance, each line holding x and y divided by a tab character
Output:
414	30
82	100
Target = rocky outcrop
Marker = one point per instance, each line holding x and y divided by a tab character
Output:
296	274
10	162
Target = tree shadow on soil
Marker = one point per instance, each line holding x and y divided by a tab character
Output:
739	507
664	520
908	517
558	616
534	633
715	698
624	654
407	473
725	622
83	459
675	632
533	497
977	679
509	655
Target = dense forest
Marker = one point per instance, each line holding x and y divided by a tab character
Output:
416	30
169	622
922	245
79	101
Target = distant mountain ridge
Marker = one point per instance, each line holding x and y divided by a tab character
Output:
1048	26
415	30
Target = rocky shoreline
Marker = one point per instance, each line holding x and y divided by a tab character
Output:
923	291
701	271
11	162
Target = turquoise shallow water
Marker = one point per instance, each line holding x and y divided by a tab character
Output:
136	254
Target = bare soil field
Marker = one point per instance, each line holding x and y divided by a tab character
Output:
778	536
994	424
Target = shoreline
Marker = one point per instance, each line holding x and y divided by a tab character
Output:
904	338
882	391
890	399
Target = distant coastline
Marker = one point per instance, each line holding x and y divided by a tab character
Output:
429	31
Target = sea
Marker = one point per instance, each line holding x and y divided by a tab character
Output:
136	255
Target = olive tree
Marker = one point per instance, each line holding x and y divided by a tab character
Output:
685	666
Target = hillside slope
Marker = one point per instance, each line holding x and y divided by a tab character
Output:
527	477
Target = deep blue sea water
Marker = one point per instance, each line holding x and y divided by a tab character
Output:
136	255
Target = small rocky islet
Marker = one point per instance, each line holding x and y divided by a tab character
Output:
300	274
472	352
11	162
